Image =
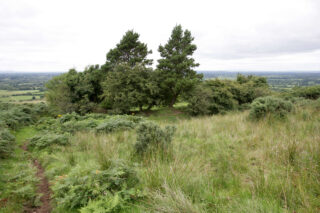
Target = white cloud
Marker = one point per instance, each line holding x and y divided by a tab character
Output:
43	35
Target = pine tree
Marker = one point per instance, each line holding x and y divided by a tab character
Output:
130	50
175	68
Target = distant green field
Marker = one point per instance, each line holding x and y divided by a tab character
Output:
21	96
17	92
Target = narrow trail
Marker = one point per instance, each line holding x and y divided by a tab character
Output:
43	189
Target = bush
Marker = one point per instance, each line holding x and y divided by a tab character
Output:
84	125
199	101
83	185
218	96
47	139
15	116
270	106
7	143
115	125
151	138
312	92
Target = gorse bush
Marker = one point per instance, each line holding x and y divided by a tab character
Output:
270	106
151	138
7	143
83	184
47	139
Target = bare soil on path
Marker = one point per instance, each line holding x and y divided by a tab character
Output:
43	189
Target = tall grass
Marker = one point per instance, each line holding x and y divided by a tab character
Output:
223	163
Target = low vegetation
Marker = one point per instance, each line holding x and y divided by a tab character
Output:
123	137
217	163
270	106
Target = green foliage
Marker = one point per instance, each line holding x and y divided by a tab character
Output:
14	116
72	123
199	101
128	87
118	123
107	204
129	83
222	98
17	184
151	138
115	125
47	139
75	91
270	106
312	92
21	184
175	68
7	143
58	95
130	51
82	92
82	185
218	96
82	125
248	88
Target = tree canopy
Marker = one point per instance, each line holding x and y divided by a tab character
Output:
127	81
129	50
176	65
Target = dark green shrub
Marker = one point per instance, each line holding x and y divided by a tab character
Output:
151	138
47	139
270	106
82	185
7	143
199	101
312	92
247	88
218	96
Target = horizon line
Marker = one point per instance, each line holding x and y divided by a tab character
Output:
206	70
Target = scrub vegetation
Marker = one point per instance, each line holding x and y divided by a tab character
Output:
123	137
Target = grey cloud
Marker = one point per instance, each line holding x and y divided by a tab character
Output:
36	36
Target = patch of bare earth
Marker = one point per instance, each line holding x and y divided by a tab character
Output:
43	189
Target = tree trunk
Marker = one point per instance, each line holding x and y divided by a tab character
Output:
173	101
140	107
150	106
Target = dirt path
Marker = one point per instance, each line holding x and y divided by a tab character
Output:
43	189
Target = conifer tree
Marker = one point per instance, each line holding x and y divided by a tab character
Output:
175	68
130	51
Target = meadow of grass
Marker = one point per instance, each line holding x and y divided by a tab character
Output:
16	92
221	163
20	96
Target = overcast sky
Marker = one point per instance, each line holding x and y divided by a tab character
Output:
236	35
